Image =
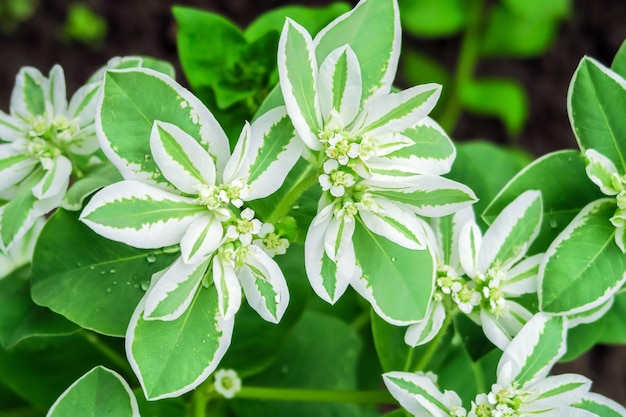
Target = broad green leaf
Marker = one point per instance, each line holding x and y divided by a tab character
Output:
398	282
475	164
208	45
503	98
619	61
534	350
126	117
377	50
539	9
40	369
565	190
173	357
582	338
583	267
140	215
321	353
311	18
425	18
99	393
459	373
513	35
100	176
298	68
20	318
89	279
614	330
595	102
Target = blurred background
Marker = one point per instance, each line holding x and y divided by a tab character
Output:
505	66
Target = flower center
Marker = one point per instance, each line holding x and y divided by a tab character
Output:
48	138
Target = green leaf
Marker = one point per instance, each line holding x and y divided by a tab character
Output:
565	190
126	117
421	69
475	164
33	90
377	50
583	266
600	405
614	330
513	35
596	103
458	373
619	61
89	279
398	282
582	338
313	19
208	45
539	9
425	18
20	318
503	98
40	369
321	353
476	343
174	357
99	393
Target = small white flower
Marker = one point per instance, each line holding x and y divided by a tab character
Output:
227	382
335	179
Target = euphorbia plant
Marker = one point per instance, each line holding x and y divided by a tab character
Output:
338	181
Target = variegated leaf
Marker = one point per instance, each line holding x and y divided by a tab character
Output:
397	112
423	332
171	358
14	166
560	389
427	195
501	328
583	266
377	51
340	85
228	288
522	278
398	282
29	93
126	116
431	152
512	232
601	171
264	285
182	160
56	91
298	71
172	293
531	354
417	394
56	178
140	215
101	392
447	234
83	104
470	241
11	128
600	405
202	238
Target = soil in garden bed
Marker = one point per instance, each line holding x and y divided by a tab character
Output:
596	28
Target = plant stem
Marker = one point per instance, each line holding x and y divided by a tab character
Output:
434	344
107	351
199	401
313	395
306	180
468	58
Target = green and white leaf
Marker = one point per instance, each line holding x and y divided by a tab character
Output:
264	285
202	238
418	395
181	159
398	282
424	331
56	178
298	72
510	235
377	51
126	116
228	288
595	117
140	215
100	176
426	195
173	290
14	166
531	354
600	405
101	392
171	358
583	267
29	94
602	172
340	85
11	128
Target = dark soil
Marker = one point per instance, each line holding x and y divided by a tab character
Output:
596	28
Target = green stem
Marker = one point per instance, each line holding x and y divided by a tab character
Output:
434	344
107	351
468	58
313	395
361	320
199	402
306	180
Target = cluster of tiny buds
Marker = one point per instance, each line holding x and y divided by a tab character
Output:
464	294
500	402
220	196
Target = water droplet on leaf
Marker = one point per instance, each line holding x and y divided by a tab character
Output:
151	258
145	285
553	224
108	290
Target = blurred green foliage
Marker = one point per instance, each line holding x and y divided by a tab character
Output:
84	25
13	12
